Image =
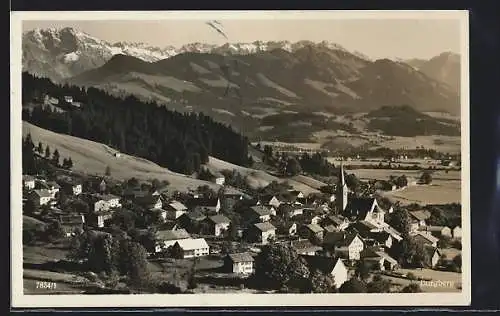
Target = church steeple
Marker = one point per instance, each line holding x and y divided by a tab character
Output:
342	191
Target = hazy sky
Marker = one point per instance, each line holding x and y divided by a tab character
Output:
375	38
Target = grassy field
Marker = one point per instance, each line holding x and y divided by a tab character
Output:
92	158
445	187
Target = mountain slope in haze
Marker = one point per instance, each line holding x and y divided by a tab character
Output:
316	78
444	67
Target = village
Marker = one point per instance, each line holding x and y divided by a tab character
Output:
215	238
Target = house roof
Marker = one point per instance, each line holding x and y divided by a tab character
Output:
195	215
28	178
425	237
304	245
192	244
359	207
172	234
42	193
330	228
420	215
322	263
435	228
260	210
384	255
205	202
219	219
178	206
53	184
335	219
240	257
264	227
148	199
71	219
315	228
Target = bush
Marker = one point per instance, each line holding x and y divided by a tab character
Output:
411	276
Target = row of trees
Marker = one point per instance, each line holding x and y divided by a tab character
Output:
31	164
181	142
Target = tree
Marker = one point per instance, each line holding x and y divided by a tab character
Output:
401	221
378	285
70	163
401	181
293	166
412	288
107	172
138	271
362	270
278	266
426	177
39	149
55	158
353	285
47	152
322	283
457	262
410	253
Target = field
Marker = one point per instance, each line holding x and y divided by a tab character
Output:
445	187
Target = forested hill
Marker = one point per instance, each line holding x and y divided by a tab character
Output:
180	142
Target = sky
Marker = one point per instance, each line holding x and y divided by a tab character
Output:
376	38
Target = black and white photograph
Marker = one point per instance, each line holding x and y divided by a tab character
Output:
262	158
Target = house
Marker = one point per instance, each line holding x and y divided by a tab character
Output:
72	224
257	213
71	186
217	224
104	202
304	247
190	248
99	184
28	182
433	255
68	99
333	266
261	232
364	209
287	228
345	245
377	259
311	232
40	197
288	210
192	221
205	205
166	238
418	219
438	231
426	238
239	263
269	200
175	209
219	178
100	218
52	187
150	202
457	232
340	223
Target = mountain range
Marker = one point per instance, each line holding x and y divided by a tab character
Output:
241	83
